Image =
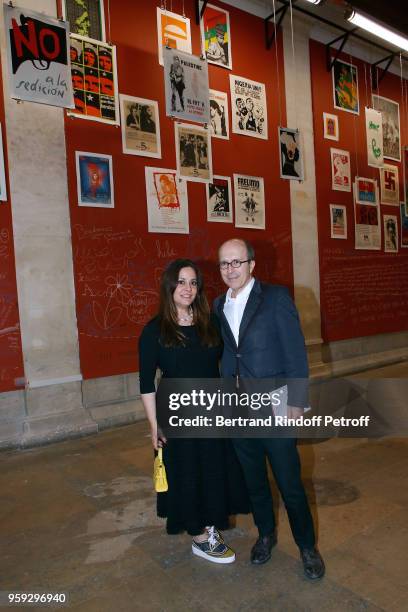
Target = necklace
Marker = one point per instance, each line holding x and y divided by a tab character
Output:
188	318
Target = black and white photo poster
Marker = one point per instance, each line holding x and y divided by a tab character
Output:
219	203
193	152
249	201
219	122
248	107
140	126
186	86
291	158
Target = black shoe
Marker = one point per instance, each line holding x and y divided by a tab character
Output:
313	564
261	550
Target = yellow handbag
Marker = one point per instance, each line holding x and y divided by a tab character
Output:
159	473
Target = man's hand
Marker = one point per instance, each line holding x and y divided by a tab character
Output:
294	412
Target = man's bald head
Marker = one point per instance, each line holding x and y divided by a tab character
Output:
250	251
237	262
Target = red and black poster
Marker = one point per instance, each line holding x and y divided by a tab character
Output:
38	59
94	80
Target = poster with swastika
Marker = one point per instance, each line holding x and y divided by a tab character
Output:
389	185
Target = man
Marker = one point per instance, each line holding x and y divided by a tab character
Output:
177	83
263	339
217	51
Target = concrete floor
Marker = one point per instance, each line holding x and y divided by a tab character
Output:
79	516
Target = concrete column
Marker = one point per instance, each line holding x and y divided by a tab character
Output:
303	194
43	252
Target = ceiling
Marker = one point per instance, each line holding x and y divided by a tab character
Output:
391	12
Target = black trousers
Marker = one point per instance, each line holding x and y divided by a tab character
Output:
285	463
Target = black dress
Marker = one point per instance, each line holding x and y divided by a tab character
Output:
206	484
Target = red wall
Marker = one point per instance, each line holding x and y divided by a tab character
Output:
362	292
114	244
11	357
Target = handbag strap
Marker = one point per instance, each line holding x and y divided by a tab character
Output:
160	454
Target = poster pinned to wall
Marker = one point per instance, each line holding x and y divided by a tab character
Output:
374	133
390	233
367	225
249	201
186	86
94	80
340	170
193	153
94	179
38	57
216	36
140	126
248	104
345	87
85	17
338	221
405	175
389	182
330	126
172	31
291	156
219	120
167	202
219	200
404	226
366	191
389	110
3	185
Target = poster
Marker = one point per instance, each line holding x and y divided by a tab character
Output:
340	170
366	191
216	36
94	79
172	31
291	157
330	126
94	179
3	185
249	201
389	110
405	171
345	87
374	133
167	203
37	57
219	201
219	120
404	226
390	233
85	17
338	221
193	152
140	126
248	104
367	226
186	86
389	182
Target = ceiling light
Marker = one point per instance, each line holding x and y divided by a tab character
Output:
361	21
315	1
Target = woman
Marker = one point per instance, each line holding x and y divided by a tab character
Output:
204	477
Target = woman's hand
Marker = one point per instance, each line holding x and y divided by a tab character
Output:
158	439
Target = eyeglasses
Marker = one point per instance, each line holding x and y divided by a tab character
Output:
235	263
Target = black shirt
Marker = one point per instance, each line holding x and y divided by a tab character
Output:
190	361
